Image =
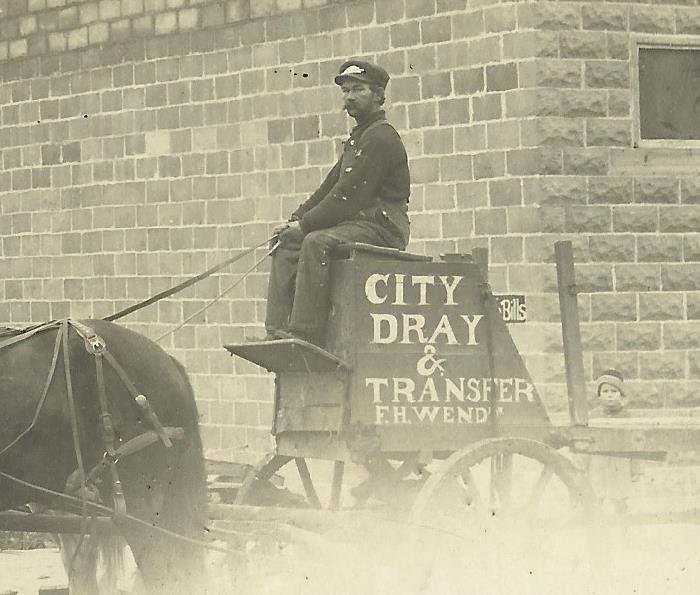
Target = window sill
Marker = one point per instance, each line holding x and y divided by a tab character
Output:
656	161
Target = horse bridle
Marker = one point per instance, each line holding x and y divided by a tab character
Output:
96	346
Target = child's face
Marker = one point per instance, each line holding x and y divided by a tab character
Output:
610	397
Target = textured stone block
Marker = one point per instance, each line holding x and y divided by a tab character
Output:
421	59
637	277
484	50
552	132
656	190
499	18
603	17
425	225
652	19
489	165
533	102
436	85
490	221
679	219
585	161
681	277
638	336
530	44
165	23
612	248
375	39
588	219
610	190
549	73
360	13
419	8
456	167
693	306
661	306
582	102
529	219
438	141
523	162
618	46
594	278
662	365
531	278
404	34
544	15
690	190
635	218
582	44
435	29
469	81
555	190
453	111
616	306
688	21
608	132
606	74
626	363
501	77
451	5
691	248
470	138
390	11
457	224
487	107
502	135
50	154
421	115
657	248
681	335
506	249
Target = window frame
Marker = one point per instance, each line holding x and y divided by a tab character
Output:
667	42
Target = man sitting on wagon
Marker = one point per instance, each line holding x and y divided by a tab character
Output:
364	198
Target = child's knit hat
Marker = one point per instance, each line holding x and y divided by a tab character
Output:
613	377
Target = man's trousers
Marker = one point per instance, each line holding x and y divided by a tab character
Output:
298	297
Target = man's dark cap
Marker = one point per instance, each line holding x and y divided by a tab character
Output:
365	72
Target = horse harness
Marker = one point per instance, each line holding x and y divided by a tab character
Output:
96	346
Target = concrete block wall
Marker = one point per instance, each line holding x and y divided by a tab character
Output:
631	209
145	141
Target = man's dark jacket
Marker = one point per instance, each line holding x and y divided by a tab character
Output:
373	168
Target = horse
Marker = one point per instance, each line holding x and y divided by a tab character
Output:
49	432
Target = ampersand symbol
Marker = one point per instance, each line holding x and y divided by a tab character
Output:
427	365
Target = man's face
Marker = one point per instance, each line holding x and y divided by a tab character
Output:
358	98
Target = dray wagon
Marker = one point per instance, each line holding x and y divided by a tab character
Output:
421	383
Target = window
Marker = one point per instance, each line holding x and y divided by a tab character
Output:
669	93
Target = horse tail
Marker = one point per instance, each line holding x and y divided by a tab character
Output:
93	563
112	550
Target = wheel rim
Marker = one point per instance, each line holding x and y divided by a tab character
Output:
504	482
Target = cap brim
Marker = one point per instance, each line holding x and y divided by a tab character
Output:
357	77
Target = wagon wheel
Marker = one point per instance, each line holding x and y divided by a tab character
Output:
505	483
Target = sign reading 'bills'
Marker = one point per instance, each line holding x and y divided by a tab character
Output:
512	308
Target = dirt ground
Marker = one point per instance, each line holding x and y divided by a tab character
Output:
386	558
650	560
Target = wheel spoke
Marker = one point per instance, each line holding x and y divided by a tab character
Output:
471	490
538	489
